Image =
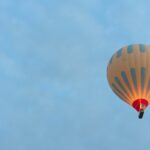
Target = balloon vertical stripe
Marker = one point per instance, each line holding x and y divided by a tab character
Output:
122	95
110	62
119	53
149	84
119	95
133	74
120	85
143	72
142	49
130	49
148	88
125	79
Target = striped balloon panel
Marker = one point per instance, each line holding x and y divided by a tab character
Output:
128	73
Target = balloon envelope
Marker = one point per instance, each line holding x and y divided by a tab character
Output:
128	74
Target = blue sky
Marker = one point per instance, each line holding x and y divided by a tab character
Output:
54	93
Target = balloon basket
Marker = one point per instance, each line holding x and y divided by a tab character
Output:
141	114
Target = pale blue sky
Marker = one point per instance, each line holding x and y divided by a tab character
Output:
54	93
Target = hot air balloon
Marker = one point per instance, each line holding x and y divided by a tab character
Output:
128	74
